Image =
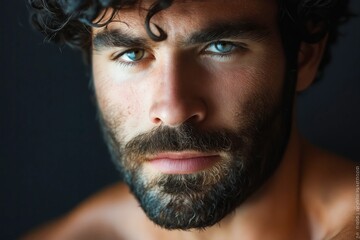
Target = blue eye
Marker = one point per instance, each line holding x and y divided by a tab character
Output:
132	55
221	47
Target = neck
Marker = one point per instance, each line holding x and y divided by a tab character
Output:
275	209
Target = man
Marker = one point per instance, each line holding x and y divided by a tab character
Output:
196	100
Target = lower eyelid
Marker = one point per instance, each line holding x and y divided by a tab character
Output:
124	64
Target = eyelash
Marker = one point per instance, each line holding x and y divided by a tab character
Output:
235	47
116	58
125	64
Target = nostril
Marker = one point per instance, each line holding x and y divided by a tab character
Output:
156	120
177	112
196	118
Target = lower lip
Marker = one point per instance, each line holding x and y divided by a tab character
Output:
183	165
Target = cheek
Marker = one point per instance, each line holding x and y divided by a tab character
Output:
118	101
247	89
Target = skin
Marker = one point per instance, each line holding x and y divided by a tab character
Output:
311	193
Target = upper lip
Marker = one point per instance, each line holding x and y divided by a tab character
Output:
180	155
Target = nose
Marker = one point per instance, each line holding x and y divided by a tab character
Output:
178	95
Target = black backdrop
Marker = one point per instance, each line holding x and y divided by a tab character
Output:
51	152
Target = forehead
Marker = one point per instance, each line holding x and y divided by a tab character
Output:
186	16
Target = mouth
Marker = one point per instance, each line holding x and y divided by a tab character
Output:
182	162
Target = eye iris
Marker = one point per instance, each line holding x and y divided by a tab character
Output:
135	55
223	47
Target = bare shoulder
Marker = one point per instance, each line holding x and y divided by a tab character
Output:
329	190
96	218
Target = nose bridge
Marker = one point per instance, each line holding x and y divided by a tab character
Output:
175	79
176	98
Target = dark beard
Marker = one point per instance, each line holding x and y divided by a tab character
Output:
184	201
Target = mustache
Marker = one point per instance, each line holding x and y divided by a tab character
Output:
181	138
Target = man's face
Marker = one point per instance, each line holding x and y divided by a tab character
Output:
196	122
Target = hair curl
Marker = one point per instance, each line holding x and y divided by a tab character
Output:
70	21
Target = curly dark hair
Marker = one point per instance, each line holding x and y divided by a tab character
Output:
70	21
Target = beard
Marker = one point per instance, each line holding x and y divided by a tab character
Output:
249	155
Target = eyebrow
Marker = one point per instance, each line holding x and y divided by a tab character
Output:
243	30
116	38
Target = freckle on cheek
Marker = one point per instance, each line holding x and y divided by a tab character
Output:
128	111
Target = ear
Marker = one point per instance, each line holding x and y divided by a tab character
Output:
309	59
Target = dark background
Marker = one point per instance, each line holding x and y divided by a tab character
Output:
51	151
